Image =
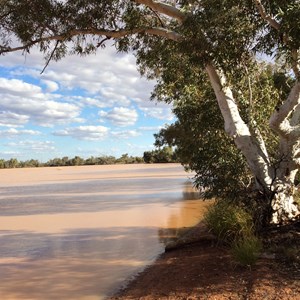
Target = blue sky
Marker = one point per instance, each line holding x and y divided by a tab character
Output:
86	106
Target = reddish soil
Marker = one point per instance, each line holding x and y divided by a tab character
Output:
205	270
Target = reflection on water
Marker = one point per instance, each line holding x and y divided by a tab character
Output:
189	212
82	236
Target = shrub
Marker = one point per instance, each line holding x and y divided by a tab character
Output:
228	221
234	225
246	250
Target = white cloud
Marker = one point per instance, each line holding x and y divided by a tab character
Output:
113	96
66	79
12	132
160	113
19	88
36	146
10	154
34	59
10	119
150	128
51	86
126	134
91	133
88	101
91	101
138	148
110	75
120	116
28	101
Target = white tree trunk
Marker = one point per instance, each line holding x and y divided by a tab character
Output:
285	122
253	149
279	183
283	205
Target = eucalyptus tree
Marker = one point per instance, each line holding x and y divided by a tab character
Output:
215	38
201	143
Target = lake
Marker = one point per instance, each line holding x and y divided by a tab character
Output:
83	232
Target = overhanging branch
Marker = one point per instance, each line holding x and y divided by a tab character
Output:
163	8
162	32
279	119
265	16
69	35
276	25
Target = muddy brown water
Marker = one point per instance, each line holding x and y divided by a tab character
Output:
83	232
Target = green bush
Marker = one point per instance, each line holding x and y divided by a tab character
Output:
234	226
228	221
246	250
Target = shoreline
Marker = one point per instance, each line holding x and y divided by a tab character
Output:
202	269
193	235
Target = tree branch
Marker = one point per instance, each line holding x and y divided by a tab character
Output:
295	119
162	32
295	63
164	8
159	18
265	16
276	25
101	43
279	119
295	123
50	57
6	14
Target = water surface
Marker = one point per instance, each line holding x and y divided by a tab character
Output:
82	232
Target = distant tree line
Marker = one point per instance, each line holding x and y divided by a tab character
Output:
160	155
163	155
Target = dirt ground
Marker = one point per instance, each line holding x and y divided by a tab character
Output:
205	270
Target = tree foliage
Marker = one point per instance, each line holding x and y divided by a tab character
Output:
160	155
198	134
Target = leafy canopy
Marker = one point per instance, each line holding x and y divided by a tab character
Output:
198	134
225	31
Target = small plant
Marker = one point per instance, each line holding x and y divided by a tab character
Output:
246	250
228	221
234	226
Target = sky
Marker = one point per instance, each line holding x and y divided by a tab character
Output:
86	106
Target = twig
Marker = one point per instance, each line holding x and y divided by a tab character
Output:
102	41
48	61
158	17
250	93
